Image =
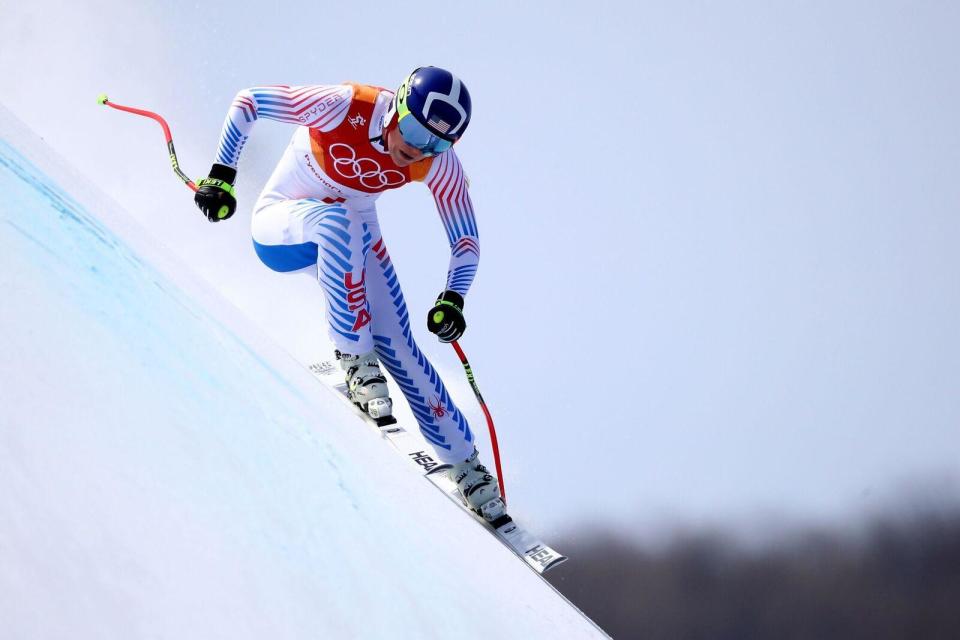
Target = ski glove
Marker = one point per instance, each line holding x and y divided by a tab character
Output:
446	317
216	196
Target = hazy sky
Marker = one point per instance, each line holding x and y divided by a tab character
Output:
719	266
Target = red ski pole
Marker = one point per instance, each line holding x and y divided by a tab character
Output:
486	412
102	99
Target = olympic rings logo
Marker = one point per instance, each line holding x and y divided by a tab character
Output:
367	170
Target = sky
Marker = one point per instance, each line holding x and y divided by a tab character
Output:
718	277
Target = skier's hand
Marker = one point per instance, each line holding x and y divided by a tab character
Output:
216	196
446	317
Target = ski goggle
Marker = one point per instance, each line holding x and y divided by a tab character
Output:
417	135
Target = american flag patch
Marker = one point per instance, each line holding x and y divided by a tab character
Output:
438	124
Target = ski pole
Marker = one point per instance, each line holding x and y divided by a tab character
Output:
486	412
102	99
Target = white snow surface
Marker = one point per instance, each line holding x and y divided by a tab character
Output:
168	472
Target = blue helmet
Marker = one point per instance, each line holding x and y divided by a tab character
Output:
436	99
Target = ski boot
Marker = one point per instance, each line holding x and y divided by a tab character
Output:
478	488
366	386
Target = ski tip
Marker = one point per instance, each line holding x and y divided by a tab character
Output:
102	99
556	562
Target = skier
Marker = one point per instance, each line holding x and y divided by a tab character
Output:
318	209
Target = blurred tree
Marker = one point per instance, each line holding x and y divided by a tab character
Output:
898	577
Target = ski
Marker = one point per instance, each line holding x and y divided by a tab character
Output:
537	555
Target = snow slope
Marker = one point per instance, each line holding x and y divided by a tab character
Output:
167	472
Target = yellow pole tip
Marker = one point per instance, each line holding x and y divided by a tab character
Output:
102	98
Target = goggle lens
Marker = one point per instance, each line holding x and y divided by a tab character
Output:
417	135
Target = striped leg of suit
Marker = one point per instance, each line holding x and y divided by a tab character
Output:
441	422
293	234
